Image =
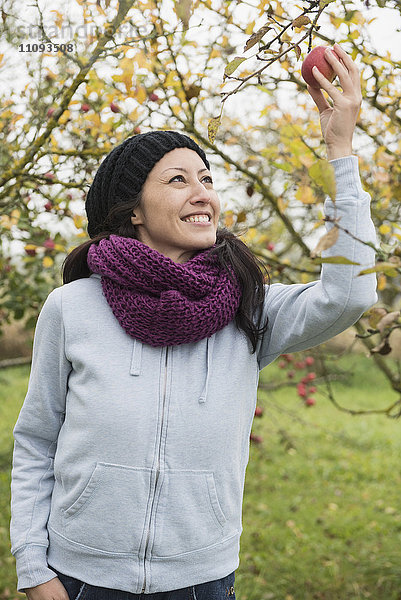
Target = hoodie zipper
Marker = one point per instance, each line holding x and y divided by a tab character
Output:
157	471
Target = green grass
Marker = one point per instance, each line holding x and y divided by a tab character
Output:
322	509
322	512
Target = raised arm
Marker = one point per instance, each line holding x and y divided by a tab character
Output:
302	316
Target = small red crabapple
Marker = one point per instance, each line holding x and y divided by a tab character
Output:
301	389
49	243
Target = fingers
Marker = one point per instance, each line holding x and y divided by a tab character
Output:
348	74
340	69
325	84
318	99
348	62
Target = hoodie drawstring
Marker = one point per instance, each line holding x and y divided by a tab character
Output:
136	363
136	359
209	353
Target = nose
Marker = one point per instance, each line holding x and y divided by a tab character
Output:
199	193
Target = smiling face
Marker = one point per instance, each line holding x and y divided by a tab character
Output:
179	185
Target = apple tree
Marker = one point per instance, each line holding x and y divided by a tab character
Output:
226	73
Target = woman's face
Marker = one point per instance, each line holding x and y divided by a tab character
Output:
179	185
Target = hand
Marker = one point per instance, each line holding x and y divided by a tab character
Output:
338	121
51	590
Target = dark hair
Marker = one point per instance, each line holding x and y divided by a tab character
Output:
230	250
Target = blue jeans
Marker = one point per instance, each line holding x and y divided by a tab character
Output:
220	589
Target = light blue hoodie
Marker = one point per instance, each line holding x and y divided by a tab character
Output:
129	461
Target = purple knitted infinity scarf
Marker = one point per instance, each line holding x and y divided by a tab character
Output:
158	301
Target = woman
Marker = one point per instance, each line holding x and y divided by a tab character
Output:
133	440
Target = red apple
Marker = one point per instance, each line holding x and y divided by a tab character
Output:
153	97
49	243
51	112
48	206
137	130
85	107
256	439
309	360
316	58
114	108
258	411
310	401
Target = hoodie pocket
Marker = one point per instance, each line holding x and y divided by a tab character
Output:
189	515
110	512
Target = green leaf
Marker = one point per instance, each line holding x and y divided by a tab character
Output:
381	267
233	65
322	173
183	9
337	260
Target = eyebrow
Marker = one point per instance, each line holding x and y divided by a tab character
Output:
184	170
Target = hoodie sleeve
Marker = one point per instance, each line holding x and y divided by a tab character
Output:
35	435
301	316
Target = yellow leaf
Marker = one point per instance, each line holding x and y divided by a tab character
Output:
282	204
78	221
384	229
326	241
249	28
212	128
215	53
47	262
381	282
252	233
229	219
176	108
5	222
171	79
140	95
305	195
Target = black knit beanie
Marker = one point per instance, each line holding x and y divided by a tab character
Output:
124	171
